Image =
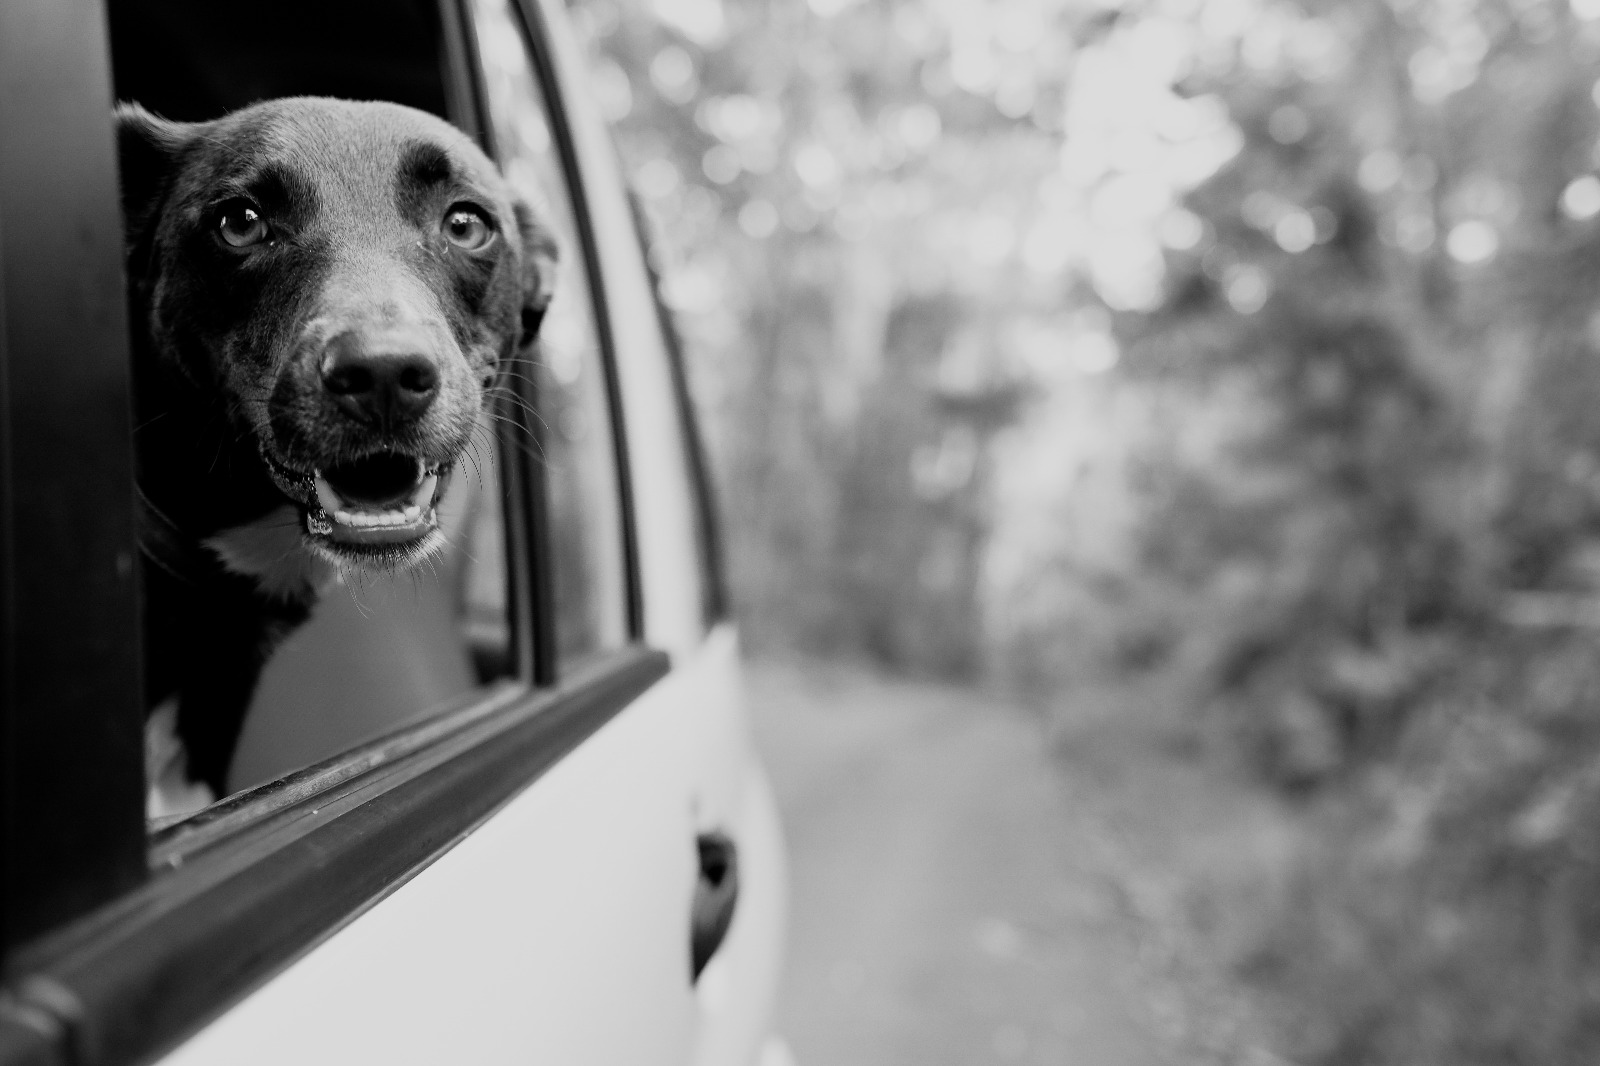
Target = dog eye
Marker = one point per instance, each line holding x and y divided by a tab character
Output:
240	224
465	227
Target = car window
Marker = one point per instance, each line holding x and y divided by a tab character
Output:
577	445
380	649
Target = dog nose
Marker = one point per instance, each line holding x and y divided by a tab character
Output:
378	385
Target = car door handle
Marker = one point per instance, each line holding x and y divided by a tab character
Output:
716	893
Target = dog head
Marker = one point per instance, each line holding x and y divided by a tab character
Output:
347	279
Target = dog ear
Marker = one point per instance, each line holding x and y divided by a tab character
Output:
147	148
540	254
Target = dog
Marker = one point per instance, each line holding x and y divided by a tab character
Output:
324	295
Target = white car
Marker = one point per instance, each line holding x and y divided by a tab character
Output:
505	811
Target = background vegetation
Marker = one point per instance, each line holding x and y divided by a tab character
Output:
1253	345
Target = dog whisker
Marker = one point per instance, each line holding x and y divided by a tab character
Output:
528	445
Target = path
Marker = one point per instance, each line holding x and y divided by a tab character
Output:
960	900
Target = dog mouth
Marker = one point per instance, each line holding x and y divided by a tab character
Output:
388	498
384	501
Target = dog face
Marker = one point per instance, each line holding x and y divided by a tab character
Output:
349	278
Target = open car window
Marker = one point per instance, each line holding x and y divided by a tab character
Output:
381	649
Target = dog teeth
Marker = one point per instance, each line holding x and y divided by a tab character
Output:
329	499
423	497
364	519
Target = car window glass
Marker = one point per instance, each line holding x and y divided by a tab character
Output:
682	467
577	448
382	650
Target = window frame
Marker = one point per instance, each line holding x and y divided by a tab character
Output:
535	37
531	27
716	603
119	945
69	658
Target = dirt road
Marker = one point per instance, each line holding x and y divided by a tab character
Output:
962	897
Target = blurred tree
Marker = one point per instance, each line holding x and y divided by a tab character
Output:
1391	297
841	186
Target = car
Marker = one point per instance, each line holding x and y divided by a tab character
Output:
506	809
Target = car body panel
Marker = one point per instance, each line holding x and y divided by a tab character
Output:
557	932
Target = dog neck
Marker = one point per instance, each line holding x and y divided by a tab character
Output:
207	505
164	545
194	462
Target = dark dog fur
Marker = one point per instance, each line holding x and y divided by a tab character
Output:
317	287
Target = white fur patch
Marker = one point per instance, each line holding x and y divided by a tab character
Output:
169	792
274	552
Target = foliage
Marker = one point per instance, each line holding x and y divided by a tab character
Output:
1395	555
839	188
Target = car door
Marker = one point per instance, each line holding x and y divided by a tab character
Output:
684	605
503	857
